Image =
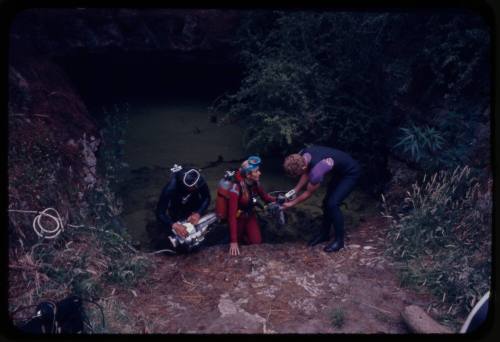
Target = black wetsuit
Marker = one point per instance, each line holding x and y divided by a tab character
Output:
345	174
176	202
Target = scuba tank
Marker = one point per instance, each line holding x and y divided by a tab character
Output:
221	202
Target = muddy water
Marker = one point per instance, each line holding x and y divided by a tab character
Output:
182	133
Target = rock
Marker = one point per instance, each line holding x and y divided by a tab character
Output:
418	321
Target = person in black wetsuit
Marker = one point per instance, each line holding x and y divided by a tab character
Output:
312	164
185	197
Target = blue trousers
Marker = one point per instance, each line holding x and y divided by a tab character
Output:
338	189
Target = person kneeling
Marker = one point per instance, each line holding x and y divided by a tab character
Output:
185	197
243	224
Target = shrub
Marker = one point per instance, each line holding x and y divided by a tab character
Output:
442	238
420	143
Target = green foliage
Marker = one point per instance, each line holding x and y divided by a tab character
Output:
447	144
345	79
420	143
441	236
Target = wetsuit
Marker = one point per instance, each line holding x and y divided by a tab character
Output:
177	203
345	173
242	219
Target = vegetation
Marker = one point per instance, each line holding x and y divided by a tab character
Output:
338	79
92	252
442	238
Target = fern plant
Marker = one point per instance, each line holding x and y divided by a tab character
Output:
419	144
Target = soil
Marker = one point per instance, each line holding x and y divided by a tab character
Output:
272	288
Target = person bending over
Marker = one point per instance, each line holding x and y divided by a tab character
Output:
185	197
312	164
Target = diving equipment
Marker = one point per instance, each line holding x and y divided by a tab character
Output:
275	209
196	233
176	168
191	177
221	203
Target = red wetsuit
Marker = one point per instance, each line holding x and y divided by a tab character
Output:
243	224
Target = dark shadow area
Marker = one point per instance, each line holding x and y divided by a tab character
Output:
148	77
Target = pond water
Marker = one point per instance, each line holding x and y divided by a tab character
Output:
182	133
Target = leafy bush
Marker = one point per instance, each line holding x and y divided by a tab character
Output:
446	144
298	90
443	241
420	143
344	79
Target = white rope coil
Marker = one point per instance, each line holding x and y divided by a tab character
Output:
39	229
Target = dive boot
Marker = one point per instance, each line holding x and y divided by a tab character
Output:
337	244
334	246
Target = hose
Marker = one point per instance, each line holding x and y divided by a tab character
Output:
45	233
39	229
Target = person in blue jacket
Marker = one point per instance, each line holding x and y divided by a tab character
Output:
312	164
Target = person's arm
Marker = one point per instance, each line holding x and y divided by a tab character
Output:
264	195
315	178
234	195
311	188
302	181
232	210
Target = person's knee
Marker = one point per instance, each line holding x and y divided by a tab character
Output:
256	240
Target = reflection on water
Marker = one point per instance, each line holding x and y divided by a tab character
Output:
183	134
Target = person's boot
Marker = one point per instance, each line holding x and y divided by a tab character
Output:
337	244
322	236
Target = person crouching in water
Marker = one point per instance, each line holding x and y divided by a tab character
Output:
242	219
185	197
312	164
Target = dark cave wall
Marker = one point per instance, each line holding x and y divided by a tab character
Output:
64	31
53	141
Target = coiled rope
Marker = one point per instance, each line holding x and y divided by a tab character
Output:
39	229
53	214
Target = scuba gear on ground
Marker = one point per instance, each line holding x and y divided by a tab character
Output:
221	202
64	317
196	232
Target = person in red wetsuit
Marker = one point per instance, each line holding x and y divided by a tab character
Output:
243	224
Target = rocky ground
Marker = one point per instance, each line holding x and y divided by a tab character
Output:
279	288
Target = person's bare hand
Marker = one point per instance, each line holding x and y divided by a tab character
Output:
194	218
287	205
180	229
233	248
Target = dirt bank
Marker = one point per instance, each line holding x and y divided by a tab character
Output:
281	288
